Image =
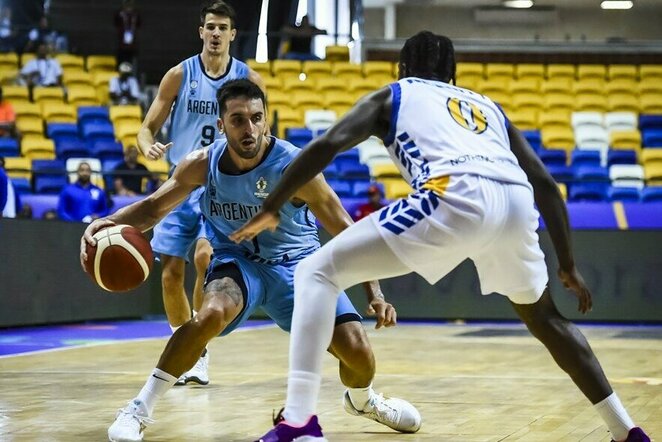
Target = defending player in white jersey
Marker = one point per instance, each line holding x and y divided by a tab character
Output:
188	92
475	180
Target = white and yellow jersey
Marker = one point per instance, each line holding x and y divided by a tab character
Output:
440	130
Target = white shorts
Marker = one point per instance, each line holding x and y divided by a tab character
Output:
492	223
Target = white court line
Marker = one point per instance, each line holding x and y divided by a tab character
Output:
105	342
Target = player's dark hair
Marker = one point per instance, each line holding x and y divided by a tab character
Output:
237	88
219	8
429	56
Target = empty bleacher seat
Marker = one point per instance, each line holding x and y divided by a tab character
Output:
101	63
626	139
299	136
530	72
558	138
587	192
106	149
621	157
336	53
341	187
651	156
585	158
533	137
474	71
317	120
9	147
38	148
330	171
652	138
48	175
59	113
651	194
556	71
626	175
56	131
630	194
553	157
592	137
71	148
650	104
586	119
286	67
620	121
98	131
591	71
622	71
93	114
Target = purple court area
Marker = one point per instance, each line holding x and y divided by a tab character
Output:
22	340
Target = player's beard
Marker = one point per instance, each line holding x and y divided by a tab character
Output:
250	154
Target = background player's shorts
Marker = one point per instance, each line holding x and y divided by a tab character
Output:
272	288
490	222
180	229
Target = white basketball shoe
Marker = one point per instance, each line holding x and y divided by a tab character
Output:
395	413
130	423
198	374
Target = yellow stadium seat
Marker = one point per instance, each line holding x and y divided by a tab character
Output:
8	75
18	167
159	166
625	139
375	68
591	71
103	95
589	85
553	120
70	61
127	128
526	71
286	67
278	99
557	71
76	78
27	56
558	138
59	113
16	94
48	94
495	71
27	109
467	83
589	102
622	71
474	72
307	100
336	53
38	148
347	71
381	80
527	102
294	84
557	86
651	156
395	188
650	86
363	86
101	63
489	87
621	86
563	189
287	117
396	70
331	84
653	174
622	103
83	96
264	69
650	103
272	83
30	125
102	78
558	102
125	113
317	69
338	99
384	170
650	72
8	60
528	85
524	120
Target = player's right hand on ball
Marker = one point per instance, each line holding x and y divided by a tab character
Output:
157	150
88	237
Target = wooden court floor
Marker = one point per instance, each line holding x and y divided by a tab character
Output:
470	383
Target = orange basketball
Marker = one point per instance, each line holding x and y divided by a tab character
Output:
121	260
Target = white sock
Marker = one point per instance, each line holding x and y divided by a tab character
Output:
618	421
360	396
302	391
157	384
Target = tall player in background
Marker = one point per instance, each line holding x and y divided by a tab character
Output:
475	179
188	91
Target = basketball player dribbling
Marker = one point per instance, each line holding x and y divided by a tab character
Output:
475	180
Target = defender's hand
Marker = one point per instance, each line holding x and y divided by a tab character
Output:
260	222
573	280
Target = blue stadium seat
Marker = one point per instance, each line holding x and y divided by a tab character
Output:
106	150
360	188
342	188
585	158
651	138
348	155
299	136
621	157
555	157
331	171
93	114
651	194
21	185
9	147
49	176
120	201
592	173
107	167
71	148
587	192
57	131
534	138
353	170
650	122
561	173
98	131
623	194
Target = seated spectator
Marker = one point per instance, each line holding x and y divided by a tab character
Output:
301	40
82	200
43	70
49	215
374	203
124	89
9	199
129	174
7	118
25	212
44	34
7	30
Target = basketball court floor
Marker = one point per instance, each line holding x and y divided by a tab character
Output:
482	382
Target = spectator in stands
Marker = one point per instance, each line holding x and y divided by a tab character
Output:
7	118
9	199
49	215
124	89
7	30
44	34
25	212
129	174
127	22
82	200
375	202
301	40
42	71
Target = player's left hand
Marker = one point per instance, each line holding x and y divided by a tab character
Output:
573	280
383	312
260	222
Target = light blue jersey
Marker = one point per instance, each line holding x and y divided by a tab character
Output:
195	111
231	200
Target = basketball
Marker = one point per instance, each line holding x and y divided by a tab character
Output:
121	260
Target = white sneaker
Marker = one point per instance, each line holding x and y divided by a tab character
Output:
130	423
198	374
395	413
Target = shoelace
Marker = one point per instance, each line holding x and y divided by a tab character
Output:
132	413
380	408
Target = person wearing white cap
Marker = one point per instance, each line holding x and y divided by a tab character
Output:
124	89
